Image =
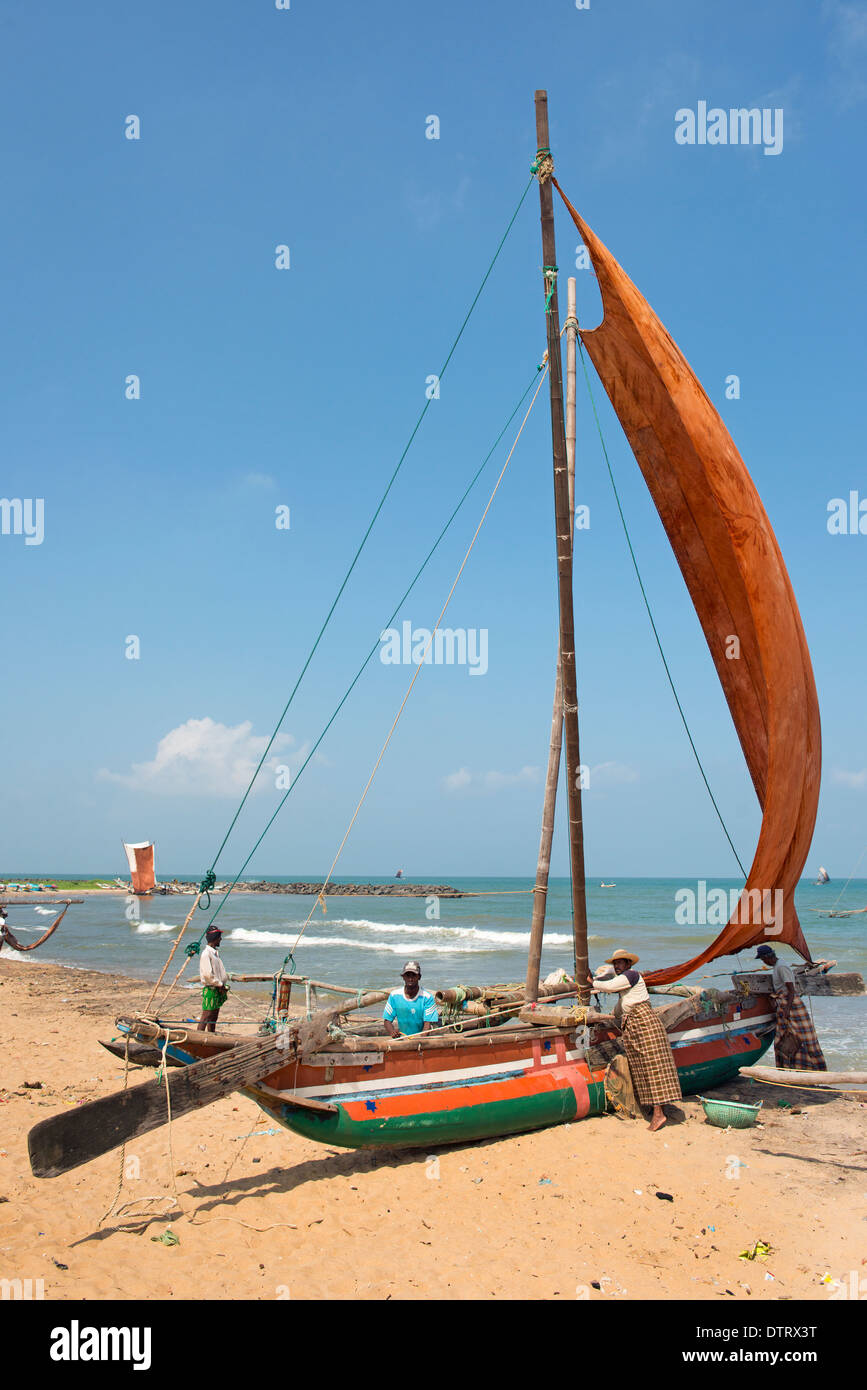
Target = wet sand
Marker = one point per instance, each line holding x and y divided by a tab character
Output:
547	1215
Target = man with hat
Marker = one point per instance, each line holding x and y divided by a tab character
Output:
410	1009
795	1043
214	980
648	1051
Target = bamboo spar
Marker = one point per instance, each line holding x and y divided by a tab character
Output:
564	554
543	867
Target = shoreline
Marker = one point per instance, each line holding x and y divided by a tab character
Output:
258	1207
299	889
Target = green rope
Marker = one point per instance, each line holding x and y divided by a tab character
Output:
551	277
205	887
373	519
376	646
650	614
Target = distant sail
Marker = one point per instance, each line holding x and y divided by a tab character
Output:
141	866
399	873
824	876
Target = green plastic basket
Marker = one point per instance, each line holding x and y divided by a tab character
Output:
730	1114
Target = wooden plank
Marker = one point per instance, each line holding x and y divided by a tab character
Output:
322	1107
342	1059
805	1078
841	983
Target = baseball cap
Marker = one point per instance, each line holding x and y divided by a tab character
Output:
764	951
412	965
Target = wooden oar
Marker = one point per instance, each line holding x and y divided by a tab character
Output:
790	1077
63	1142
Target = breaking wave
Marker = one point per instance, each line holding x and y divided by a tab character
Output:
438	941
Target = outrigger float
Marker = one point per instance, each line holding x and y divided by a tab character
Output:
522	1057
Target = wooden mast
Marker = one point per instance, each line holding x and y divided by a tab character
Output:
563	527
543	866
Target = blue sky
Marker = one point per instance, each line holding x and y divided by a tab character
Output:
263	387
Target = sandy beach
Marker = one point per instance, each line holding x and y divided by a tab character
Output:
565	1212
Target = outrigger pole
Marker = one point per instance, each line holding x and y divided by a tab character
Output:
563	527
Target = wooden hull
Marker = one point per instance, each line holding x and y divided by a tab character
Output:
480	1086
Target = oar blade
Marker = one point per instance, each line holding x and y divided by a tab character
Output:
63	1142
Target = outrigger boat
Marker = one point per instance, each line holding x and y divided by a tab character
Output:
521	1057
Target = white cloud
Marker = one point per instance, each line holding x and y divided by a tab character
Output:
612	774
849	779
489	781
259	480
204	758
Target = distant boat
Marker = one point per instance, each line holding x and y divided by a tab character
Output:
824	876
140	858
608	885
399	873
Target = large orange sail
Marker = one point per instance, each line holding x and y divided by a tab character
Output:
731	562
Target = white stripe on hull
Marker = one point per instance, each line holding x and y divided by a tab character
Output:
743	1025
457	1074
462	1074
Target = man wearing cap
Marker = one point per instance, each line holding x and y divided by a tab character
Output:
648	1051
410	1009
214	981
795	1043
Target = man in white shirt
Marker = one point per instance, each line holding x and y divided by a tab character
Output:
648	1050
214	980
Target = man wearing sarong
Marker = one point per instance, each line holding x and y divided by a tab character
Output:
648	1051
213	978
796	1046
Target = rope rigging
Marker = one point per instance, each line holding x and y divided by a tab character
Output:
422	661
193	948
364	538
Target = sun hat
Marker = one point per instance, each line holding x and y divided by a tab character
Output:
622	955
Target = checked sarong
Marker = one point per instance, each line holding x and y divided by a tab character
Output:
651	1062
809	1056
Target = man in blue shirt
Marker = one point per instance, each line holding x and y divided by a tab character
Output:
411	1009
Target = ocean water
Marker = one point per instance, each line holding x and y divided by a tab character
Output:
364	941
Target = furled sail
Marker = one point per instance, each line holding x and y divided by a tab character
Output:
731	562
141	866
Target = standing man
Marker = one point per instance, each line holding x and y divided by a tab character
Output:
796	1046
648	1051
411	1009
213	976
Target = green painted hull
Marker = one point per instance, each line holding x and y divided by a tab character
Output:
488	1121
